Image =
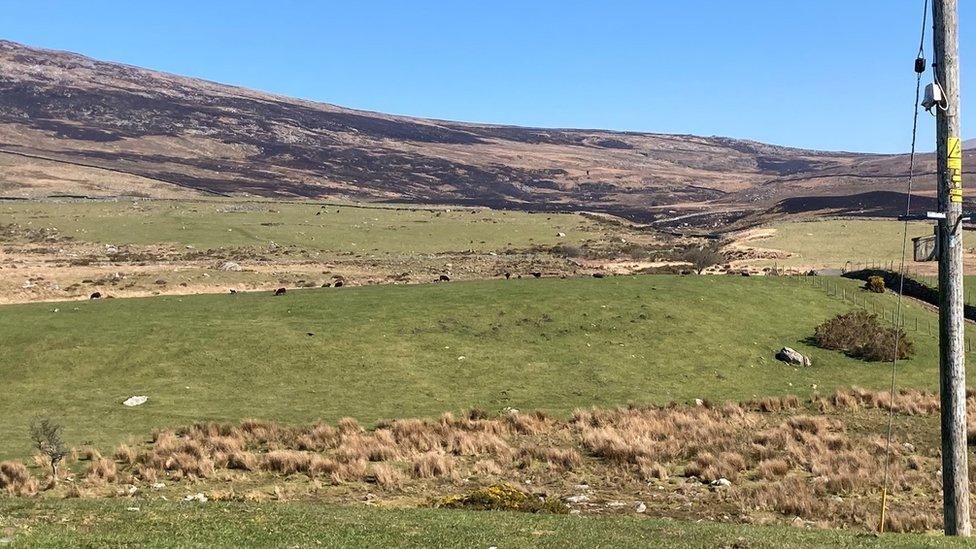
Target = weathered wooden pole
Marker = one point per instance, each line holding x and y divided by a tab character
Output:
952	366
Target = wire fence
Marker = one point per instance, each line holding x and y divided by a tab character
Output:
927	278
910	321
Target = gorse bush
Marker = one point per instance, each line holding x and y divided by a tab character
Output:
875	284
861	335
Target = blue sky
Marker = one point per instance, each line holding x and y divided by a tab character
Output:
826	74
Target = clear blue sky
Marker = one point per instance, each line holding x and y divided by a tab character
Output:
827	74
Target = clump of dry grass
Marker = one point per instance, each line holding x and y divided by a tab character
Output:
124	454
432	464
771	469
791	496
16	480
387	475
101	471
651	469
286	462
560	458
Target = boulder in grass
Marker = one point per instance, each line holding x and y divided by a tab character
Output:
229	266
135	401
792	356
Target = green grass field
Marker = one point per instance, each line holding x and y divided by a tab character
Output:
401	351
109	523
212	224
832	243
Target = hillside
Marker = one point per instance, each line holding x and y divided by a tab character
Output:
68	122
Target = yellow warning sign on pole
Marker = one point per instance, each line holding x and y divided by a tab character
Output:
954	167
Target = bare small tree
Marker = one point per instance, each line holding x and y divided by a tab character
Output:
704	257
46	436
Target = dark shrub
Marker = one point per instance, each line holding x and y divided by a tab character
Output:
861	335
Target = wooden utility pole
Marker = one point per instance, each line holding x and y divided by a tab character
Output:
952	367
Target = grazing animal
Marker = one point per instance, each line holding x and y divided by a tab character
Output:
326	284
508	275
537	275
444	278
95	295
233	291
338	284
280	291
598	275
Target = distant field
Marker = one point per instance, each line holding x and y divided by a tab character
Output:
212	224
159	524
401	351
833	243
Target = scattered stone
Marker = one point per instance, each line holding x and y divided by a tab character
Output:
582	498
158	486
640	507
699	402
229	266
131	508
135	401
111	250
196	497
560	235
792	356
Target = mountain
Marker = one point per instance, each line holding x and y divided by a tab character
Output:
69	123
969	144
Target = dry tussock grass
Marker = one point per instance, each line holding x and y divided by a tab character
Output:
101	471
783	456
16	480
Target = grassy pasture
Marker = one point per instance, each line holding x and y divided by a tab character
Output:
87	523
402	351
831	243
212	224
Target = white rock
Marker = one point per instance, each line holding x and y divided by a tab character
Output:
578	499
230	266
135	401
196	497
131	508
699	402
640	507
722	483
158	486
560	235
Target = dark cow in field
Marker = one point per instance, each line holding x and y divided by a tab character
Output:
280	291
598	275
444	278
508	276
338	284
233	291
537	275
95	295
